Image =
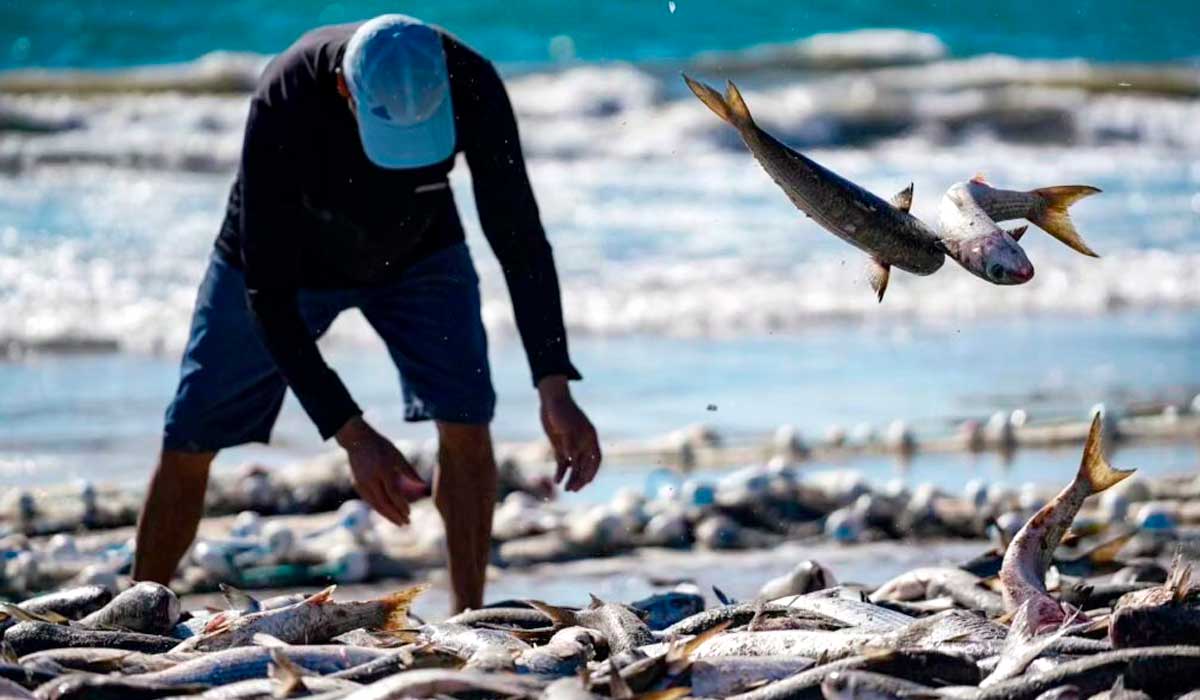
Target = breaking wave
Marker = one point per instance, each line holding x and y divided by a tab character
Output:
723	252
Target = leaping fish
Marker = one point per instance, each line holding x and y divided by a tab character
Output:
1022	575
1045	208
885	231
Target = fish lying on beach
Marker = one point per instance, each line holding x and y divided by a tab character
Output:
28	637
146	607
242	663
100	660
315	619
1157	615
622	627
1045	208
885	231
1022	575
963	587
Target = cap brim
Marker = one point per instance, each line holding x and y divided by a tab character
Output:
416	146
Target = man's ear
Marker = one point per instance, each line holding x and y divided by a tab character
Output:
343	89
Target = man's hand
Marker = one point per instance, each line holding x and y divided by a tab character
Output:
576	446
380	474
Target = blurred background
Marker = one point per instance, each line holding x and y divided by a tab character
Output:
694	291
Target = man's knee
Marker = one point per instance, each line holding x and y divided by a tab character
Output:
185	461
469	443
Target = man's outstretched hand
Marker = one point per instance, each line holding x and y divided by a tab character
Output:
576	446
380	474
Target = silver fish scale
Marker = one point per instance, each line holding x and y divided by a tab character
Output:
865	617
620	625
846	210
242	663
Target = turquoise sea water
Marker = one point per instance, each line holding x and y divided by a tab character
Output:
102	33
688	279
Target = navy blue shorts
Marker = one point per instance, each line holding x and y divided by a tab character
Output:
230	390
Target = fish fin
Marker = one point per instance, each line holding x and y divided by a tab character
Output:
877	653
1054	219
262	639
878	274
1019	231
711	99
1180	580
287	676
595	602
902	200
557	615
238	599
1106	552
7	653
737	105
322	597
24	615
720	594
667	694
618	687
218	622
696	642
397	604
1094	468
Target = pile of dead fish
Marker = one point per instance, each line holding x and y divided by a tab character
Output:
1042	624
755	507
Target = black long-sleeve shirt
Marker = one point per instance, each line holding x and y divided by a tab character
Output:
309	210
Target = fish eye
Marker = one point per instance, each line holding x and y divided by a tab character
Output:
996	271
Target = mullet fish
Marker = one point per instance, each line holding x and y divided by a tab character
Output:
1022	575
1045	208
885	231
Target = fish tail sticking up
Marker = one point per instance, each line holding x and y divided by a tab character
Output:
559	616
397	604
1054	219
730	107
1094	468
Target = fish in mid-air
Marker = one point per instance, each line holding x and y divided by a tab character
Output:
1045	208
885	231
967	220
1022	575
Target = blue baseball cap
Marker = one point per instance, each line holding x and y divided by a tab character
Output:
395	69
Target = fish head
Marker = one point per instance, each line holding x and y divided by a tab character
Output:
996	257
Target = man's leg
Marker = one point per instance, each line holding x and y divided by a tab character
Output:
465	493
171	514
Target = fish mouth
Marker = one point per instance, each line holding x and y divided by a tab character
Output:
998	274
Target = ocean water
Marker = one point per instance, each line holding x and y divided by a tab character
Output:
689	280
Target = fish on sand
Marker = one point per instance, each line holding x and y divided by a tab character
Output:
1022	575
315	619
885	231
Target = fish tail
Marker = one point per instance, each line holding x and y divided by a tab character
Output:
737	106
1054	219
730	108
557	615
396	607
1094	468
